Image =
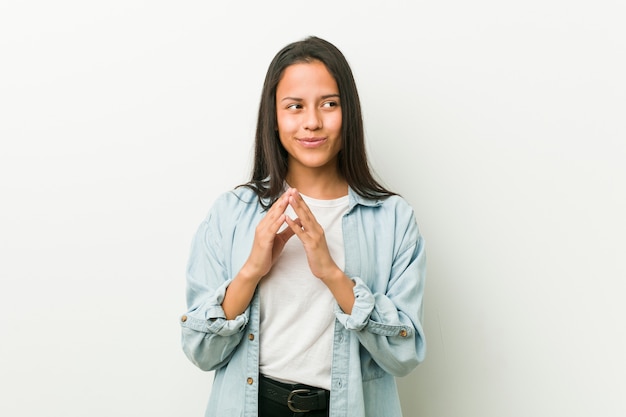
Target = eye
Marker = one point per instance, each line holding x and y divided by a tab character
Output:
294	106
330	104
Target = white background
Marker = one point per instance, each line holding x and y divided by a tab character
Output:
501	122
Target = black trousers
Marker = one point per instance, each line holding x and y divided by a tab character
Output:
270	408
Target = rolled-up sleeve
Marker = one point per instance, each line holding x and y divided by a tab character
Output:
364	302
388	323
208	338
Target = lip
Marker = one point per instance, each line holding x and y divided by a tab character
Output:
312	142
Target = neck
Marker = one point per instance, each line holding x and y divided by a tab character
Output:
318	185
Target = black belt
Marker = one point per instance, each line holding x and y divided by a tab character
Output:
299	398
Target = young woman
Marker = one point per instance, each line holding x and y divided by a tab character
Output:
305	285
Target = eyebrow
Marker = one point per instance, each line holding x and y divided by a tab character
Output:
324	97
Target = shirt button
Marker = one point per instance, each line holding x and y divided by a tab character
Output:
402	333
251	337
250	381
183	319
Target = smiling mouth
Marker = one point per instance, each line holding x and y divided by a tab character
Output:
311	142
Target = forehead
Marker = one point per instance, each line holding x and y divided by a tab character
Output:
307	77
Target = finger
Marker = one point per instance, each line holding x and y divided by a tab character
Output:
295	225
300	206
275	215
286	234
308	221
279	205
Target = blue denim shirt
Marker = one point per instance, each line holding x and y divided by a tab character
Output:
381	339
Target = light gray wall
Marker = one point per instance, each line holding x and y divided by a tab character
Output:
501	122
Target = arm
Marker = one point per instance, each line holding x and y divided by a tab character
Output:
322	265
218	304
267	245
208	338
388	321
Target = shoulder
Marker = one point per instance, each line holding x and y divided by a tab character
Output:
238	195
235	202
395	213
400	217
392	206
398	209
396	203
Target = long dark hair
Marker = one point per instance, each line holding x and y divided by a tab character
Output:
270	157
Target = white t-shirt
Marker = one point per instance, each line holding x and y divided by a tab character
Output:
297	318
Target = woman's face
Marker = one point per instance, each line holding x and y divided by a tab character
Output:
308	113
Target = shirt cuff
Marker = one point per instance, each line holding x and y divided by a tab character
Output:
214	319
361	310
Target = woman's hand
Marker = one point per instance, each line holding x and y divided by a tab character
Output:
268	243
311	233
322	265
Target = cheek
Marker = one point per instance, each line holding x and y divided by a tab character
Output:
334	122
286	125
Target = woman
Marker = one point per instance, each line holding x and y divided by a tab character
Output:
304	286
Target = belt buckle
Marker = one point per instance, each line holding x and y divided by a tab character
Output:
290	400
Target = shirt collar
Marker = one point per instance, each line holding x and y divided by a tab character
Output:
355	199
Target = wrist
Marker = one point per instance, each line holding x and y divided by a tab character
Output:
336	277
342	288
247	274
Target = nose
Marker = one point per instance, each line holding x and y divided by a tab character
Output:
312	119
